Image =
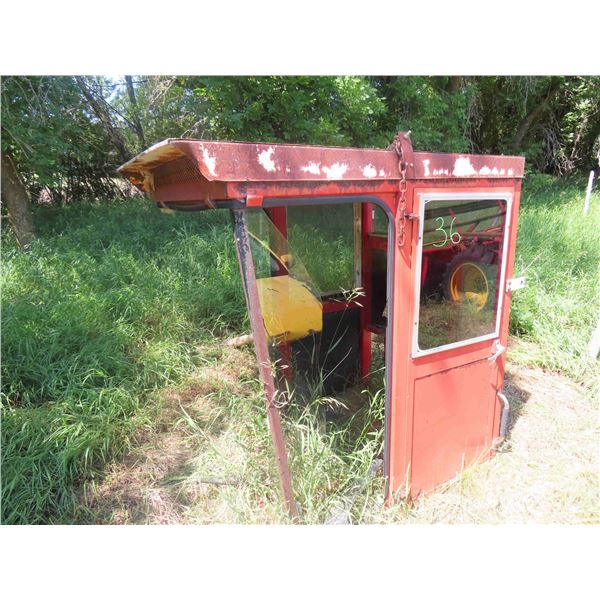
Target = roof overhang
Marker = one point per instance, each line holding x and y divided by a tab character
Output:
187	170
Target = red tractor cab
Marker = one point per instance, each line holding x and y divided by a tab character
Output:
339	247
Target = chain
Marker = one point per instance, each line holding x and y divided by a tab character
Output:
403	186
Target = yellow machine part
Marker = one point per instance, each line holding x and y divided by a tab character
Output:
290	310
468	282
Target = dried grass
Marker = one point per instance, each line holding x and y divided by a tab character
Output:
211	460
144	486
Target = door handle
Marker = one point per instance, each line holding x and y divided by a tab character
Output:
500	349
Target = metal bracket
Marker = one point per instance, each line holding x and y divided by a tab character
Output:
499	349
516	283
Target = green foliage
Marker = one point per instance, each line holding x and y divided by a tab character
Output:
559	252
334	445
578	120
318	110
435	116
106	307
47	129
554	121
167	108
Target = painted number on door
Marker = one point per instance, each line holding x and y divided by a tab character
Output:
453	236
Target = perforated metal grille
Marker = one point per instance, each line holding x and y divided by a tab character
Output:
179	170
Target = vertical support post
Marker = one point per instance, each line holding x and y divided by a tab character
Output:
365	311
357	244
588	193
262	354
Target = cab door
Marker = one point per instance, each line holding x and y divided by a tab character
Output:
452	336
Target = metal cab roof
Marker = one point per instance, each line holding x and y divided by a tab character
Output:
185	170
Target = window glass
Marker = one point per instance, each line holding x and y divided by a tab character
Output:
461	255
323	236
289	301
303	259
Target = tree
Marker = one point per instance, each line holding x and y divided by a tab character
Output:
135	117
553	121
102	110
432	108
318	110
15	197
536	112
58	147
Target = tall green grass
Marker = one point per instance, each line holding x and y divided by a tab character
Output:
558	250
106	307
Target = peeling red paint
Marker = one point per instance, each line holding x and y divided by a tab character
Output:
206	167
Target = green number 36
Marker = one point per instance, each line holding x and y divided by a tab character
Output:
453	236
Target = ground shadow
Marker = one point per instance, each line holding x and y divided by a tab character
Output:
517	397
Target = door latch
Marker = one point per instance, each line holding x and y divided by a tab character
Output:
500	349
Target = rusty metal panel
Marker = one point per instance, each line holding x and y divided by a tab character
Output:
245	161
242	161
453	412
259	336
139	169
436	422
443	407
189	170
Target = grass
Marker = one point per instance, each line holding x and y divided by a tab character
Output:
558	249
102	311
210	460
216	419
117	308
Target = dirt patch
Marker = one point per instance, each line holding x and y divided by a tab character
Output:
133	489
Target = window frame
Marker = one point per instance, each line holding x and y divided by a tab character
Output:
424	198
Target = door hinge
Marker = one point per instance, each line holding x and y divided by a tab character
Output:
516	283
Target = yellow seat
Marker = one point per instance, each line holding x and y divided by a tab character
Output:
290	310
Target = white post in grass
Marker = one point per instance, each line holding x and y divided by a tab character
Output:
594	345
588	193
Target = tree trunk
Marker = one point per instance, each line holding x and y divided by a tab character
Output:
535	114
17	202
454	84
99	106
137	124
